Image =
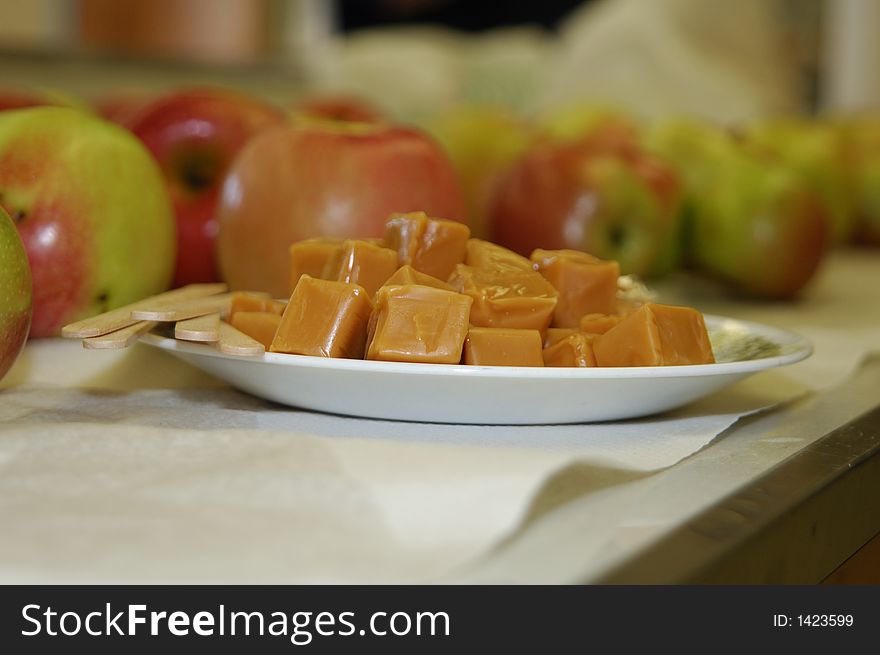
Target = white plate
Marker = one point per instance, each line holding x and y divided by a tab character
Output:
447	393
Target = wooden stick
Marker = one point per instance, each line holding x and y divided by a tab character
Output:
180	311
119	318
233	342
200	328
119	338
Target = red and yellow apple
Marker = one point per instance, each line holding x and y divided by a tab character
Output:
614	202
15	294
324	178
482	142
338	107
194	135
91	208
862	138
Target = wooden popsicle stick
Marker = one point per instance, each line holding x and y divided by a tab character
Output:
122	338
180	311
200	328
117	319
233	342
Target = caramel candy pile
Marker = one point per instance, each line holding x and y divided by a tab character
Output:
428	293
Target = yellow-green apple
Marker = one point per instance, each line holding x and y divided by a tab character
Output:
194	135
817	150
752	219
616	202
91	208
482	142
15	294
315	178
599	123
15	97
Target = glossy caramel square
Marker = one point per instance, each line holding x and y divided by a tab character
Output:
586	285
324	318
364	263
260	326
599	323
575	350
430	245
656	335
406	274
503	347
252	301
311	257
415	323
492	257
506	298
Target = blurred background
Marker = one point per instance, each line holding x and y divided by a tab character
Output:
411	57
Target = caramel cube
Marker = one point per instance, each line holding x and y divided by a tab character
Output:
656	335
310	257
555	335
506	298
586	285
490	256
575	350
415	323
253	301
364	263
261	326
406	274
430	245
503	347
599	323
324	318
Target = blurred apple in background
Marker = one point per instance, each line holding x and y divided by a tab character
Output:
817	150
15	294
91	209
121	107
862	138
753	219
324	178
602	124
194	135
22	97
482	142
338	107
616	202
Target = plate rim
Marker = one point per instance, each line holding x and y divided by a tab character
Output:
801	349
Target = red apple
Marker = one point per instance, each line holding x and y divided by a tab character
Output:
614	201
324	178
120	108
15	294
91	209
352	109
194	135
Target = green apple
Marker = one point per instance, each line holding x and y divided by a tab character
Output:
15	294
817	150
481	142
91	207
759	225
599	123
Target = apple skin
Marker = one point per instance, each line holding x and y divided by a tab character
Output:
194	135
615	202
92	211
762	228
753	219
817	150
482	142
338	107
324	178
15	294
